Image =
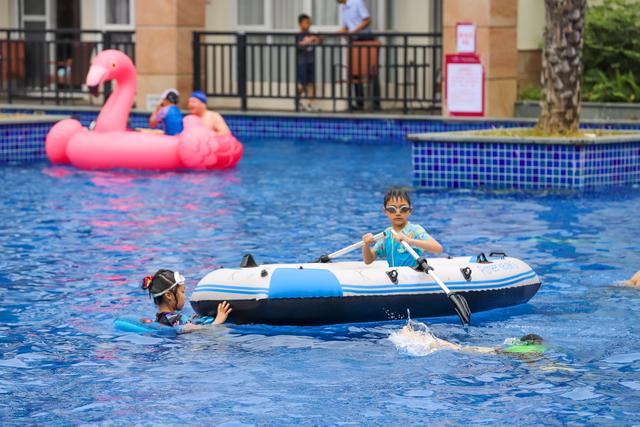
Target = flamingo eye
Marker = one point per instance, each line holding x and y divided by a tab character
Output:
113	65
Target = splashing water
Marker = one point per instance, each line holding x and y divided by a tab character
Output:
414	339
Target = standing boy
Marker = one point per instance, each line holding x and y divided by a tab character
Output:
306	62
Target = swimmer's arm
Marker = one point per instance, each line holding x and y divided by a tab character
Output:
482	350
444	344
224	308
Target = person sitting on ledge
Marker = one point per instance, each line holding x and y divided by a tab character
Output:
198	106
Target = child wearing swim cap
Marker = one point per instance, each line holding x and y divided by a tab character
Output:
397	207
198	106
166	287
420	334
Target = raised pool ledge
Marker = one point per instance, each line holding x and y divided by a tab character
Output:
22	137
469	159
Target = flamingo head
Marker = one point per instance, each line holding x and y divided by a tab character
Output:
108	65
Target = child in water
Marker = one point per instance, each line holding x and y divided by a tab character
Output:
414	333
166	287
397	207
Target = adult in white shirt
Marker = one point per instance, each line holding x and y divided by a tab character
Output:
356	21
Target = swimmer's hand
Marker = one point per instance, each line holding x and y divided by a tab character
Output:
224	308
368	239
635	280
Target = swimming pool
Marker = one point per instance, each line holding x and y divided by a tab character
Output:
76	244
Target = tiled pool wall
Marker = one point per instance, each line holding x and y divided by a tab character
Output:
439	165
436	164
23	141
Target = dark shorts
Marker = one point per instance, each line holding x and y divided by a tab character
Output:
306	73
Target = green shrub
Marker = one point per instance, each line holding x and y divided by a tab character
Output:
622	87
531	93
611	54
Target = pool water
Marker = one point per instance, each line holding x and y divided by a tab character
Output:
75	246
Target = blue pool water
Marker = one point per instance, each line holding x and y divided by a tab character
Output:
74	246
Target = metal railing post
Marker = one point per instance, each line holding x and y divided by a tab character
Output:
242	69
405	105
9	55
197	78
349	72
106	44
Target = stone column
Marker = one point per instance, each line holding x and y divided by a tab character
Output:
496	44
163	46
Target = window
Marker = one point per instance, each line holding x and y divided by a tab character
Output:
264	15
117	12
251	13
116	15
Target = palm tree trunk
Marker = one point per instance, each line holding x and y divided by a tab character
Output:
562	66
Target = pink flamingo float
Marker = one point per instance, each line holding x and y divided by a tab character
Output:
110	145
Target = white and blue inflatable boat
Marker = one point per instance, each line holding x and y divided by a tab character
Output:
347	292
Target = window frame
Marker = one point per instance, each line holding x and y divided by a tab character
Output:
101	17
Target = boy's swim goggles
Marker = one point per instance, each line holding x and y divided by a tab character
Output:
178	280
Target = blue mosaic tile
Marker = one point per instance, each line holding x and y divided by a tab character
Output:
439	165
436	165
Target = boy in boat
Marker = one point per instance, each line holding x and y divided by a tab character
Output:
166	287
397	207
167	115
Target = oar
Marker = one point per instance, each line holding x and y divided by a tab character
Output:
459	303
350	248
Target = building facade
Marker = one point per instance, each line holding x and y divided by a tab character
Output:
509	33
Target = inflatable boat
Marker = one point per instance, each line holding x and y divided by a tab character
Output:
349	292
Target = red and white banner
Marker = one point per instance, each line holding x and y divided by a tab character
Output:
464	85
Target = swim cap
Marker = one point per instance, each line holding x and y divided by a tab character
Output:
530	343
171	95
199	95
525	348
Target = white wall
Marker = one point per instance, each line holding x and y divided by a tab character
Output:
220	15
5	14
411	16
530	24
88	18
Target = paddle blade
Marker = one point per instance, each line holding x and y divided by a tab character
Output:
461	307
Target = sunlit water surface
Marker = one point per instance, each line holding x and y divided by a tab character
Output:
74	246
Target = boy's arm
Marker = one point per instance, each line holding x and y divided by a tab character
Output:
430	245
368	255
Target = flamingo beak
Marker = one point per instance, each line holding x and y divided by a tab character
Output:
95	77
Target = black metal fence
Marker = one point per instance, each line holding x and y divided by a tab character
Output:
51	65
389	70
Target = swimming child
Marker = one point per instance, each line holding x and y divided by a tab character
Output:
397	207
166	287
167	115
419	338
